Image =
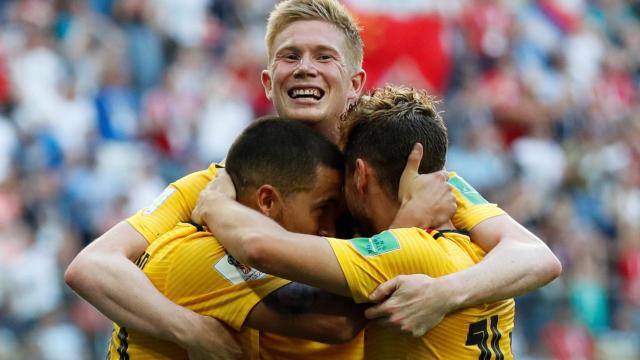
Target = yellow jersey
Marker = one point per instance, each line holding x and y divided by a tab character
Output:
479	332
472	207
191	268
276	347
177	201
173	206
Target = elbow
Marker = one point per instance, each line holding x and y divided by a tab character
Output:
554	268
550	268
82	273
73	275
349	330
341	330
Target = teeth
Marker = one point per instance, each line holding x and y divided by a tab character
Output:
306	92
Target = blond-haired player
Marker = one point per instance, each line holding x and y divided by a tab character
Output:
311	77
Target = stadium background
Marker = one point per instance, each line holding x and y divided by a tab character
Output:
103	102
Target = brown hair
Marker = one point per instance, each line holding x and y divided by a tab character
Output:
382	128
330	11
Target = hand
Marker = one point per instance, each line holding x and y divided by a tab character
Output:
209	339
412	304
427	199
221	186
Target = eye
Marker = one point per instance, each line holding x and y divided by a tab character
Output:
325	57
292	57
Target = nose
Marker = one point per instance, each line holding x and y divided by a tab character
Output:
305	67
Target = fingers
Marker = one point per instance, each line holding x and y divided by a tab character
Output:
415	156
196	218
196	214
377	311
410	171
384	290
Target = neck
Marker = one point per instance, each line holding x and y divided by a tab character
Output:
329	130
383	211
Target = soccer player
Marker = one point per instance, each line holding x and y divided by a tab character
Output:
290	174
379	132
314	72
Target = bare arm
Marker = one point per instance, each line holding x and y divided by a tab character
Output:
529	261
303	311
517	262
97	274
258	241
416	303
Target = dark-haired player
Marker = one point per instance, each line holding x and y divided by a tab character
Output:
292	175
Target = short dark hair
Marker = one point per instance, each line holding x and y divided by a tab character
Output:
280	152
382	128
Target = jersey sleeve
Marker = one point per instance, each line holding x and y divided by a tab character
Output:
472	207
368	262
203	278
174	205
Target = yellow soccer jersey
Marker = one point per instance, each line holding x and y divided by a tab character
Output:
276	347
173	206
177	201
480	332
472	207
192	269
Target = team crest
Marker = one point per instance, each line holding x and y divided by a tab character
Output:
235	272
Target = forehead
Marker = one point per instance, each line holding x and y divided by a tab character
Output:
328	187
310	34
328	182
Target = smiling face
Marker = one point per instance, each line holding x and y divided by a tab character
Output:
309	78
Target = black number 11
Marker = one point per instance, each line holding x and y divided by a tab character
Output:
479	335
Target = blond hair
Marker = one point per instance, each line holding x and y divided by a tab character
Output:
390	101
383	127
330	11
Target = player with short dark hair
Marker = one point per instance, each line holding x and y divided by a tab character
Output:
257	157
293	175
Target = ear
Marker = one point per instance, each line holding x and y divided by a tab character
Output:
265	78
361	176
357	85
269	201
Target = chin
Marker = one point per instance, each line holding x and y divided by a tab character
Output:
309	116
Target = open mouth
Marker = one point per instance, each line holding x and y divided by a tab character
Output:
306	93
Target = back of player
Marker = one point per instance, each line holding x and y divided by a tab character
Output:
192	269
481	332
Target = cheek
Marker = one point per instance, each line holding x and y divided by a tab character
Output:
279	75
310	224
301	221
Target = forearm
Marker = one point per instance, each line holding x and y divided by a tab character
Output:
240	229
104	275
258	241
510	269
303	311
134	303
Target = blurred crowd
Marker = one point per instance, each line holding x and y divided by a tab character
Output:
103	102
